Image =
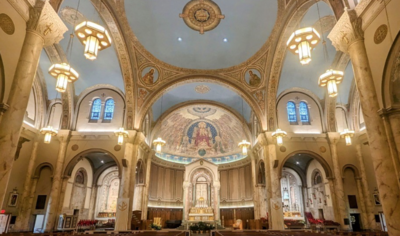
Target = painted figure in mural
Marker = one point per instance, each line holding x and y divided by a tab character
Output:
148	78
254	79
202	135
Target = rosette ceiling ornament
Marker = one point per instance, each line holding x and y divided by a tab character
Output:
201	15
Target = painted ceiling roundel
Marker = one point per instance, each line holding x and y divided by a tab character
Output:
201	131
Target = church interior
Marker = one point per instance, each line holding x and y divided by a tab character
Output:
200	117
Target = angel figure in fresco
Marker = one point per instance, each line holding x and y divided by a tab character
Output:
202	134
149	77
254	79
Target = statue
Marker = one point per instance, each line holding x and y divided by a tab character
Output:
254	79
148	78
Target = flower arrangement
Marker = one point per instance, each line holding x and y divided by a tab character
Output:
201	227
155	226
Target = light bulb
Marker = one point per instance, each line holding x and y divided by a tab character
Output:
304	52
120	139
91	47
47	138
332	88
62	81
279	140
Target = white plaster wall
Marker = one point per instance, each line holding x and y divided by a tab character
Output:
84	109
341	122
313	109
54	118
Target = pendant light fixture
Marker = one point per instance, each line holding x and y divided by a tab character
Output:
329	79
279	134
95	37
244	145
64	73
121	133
49	131
347	135
159	142
302	42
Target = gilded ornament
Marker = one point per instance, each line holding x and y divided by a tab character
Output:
201	15
72	16
202	89
74	147
322	149
252	77
6	24
380	34
149	75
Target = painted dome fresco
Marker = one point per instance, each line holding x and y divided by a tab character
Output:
201	131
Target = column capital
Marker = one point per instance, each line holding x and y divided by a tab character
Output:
333	137
131	136
347	30
46	22
64	135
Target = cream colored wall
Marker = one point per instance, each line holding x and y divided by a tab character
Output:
377	53
10	45
54	116
30	114
236	187
313	109
84	109
165	186
43	188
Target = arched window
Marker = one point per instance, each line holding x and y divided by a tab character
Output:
304	116
291	111
109	109
317	178
96	109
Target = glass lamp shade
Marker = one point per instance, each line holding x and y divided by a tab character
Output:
95	38
158	143
302	42
121	133
329	79
244	145
48	133
279	134
64	73
347	135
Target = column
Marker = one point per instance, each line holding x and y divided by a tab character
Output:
186	199
338	181
147	183
263	154
391	122
364	183
217	188
62	195
22	223
122	216
276	196
54	199
256	197
39	32
92	204
348	36
361	203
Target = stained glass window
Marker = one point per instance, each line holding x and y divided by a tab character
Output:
291	111
109	109
96	109
304	117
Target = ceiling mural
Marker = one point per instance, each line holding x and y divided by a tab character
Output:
201	131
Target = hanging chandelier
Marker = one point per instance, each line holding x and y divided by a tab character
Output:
244	145
329	79
279	134
64	73
159	143
121	133
347	135
95	37
48	133
302	41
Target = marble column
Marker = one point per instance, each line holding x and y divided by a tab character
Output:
332	189
217	188
146	186
364	184
92	203
263	154
361	204
123	203
40	31
137	198
186	200
56	186
348	36
339	192
22	222
256	197
276	195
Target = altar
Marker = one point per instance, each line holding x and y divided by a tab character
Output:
201	212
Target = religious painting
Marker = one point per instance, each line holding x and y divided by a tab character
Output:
377	200
149	75
13	199
253	77
200	131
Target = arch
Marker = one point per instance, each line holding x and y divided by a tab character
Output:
353	168
39	168
97	174
71	164
207	170
81	176
157	93
316	177
391	68
291	112
320	159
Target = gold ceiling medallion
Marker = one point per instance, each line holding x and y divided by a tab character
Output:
201	15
